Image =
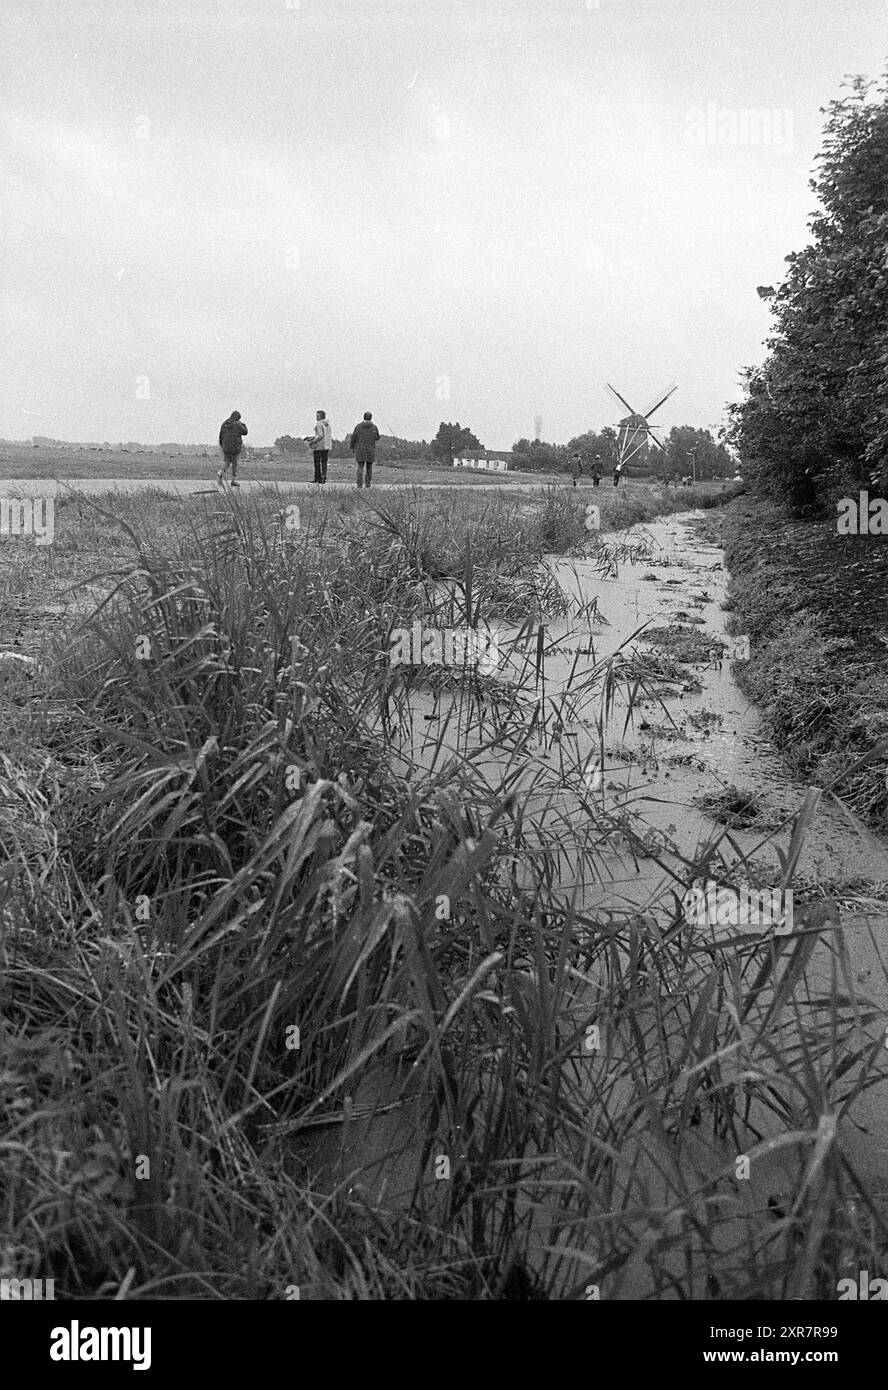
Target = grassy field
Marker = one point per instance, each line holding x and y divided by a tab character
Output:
26	461
229	916
42	588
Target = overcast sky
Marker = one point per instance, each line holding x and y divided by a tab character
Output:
432	210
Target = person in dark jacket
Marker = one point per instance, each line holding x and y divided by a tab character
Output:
596	470
363	446
231	442
575	467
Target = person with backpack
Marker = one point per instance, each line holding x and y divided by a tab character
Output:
320	443
363	442
596	470
575	467
231	442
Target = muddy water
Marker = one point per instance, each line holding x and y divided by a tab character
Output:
689	743
670	746
665	752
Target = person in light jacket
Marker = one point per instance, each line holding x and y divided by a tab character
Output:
363	445
320	443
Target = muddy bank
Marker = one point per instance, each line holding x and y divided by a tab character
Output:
814	603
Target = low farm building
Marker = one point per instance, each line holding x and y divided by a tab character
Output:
490	460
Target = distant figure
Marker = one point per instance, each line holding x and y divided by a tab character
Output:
363	446
596	470
231	442
320	444
616	475
575	467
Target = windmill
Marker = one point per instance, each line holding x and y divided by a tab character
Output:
635	428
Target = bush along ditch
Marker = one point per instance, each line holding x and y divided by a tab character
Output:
813	608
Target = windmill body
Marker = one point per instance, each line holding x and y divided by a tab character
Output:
635	429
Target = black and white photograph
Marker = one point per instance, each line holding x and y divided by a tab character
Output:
443	671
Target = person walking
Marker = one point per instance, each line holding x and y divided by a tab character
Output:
363	442
575	467
616	475
231	442
320	443
596	470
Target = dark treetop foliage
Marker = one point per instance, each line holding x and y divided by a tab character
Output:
453	440
286	444
815	419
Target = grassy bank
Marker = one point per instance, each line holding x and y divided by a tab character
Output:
42	589
814	606
236	913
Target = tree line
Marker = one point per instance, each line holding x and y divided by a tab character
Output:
687	450
389	447
813	424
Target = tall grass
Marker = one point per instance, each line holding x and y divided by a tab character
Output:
221	825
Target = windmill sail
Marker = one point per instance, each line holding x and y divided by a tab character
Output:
660	400
620	398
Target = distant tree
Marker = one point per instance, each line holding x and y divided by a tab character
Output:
608	438
690	450
286	444
393	447
604	442
452	440
535	455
